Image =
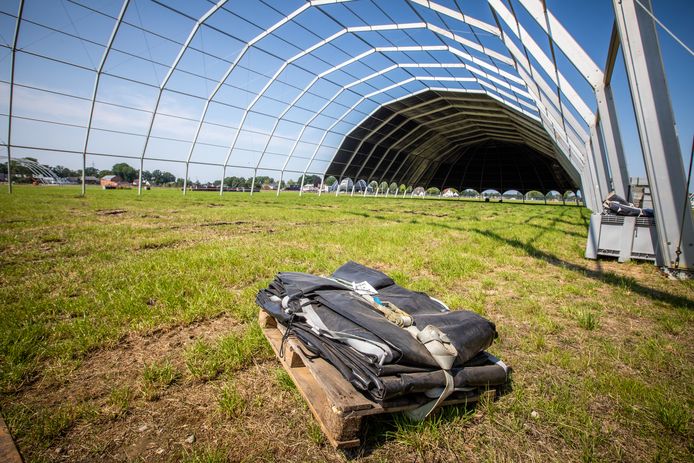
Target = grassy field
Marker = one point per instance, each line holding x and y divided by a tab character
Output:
128	333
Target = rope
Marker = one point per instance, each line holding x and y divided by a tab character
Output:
665	28
686	204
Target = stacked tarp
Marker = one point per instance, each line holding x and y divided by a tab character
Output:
616	205
386	340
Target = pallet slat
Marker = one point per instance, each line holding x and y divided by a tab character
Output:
8	451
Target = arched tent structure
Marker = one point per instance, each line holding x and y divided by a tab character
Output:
419	92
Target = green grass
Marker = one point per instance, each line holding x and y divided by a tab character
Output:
156	377
601	351
205	455
231	402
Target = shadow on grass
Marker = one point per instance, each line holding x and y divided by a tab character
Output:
603	276
610	278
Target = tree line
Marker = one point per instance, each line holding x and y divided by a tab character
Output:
157	177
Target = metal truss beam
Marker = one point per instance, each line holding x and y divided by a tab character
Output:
656	126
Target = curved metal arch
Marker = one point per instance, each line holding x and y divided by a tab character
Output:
353	29
438	127
390	148
196	27
95	90
377	49
492	95
285	64
424	79
395	114
372	131
441	108
398	127
383	104
466	19
397	154
238	58
437	145
540	57
374	75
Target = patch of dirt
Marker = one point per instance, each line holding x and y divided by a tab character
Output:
145	246
117	437
220	224
110	211
428	214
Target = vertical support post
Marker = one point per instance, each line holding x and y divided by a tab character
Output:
320	190
589	182
279	184
656	126
609	129
255	173
139	177
354	186
185	182
221	185
599	163
301	188
378	187
339	184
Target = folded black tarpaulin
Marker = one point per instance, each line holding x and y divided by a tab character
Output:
617	205
335	320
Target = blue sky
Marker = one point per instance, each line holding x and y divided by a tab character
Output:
62	43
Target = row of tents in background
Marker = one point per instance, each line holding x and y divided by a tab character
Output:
360	187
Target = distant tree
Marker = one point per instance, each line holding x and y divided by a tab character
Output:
330	181
147	176
124	171
90	171
64	172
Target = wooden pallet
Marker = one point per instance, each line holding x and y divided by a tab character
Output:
337	406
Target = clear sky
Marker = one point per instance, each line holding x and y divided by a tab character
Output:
62	42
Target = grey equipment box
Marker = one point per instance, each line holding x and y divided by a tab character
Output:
622	237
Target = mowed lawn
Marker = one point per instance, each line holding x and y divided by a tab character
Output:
128	328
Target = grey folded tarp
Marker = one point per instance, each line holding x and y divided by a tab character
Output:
378	357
